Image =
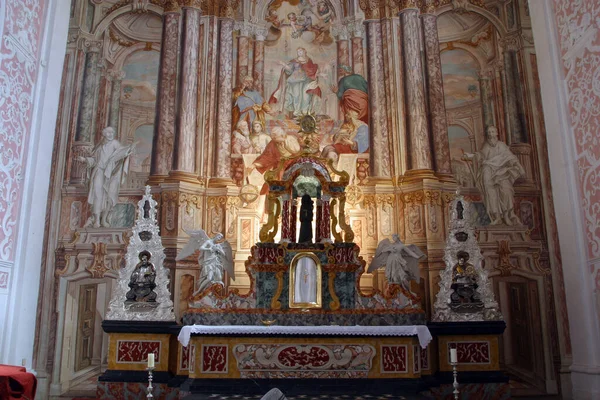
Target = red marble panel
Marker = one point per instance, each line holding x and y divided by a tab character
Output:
471	352
342	255
424	359
136	351
214	358
293	357
416	358
393	359
185	358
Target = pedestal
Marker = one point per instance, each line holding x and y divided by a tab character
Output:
130	342
479	373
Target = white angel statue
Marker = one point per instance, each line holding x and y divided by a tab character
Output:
213	259
401	262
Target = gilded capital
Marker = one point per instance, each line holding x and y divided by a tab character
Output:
171	6
429	6
228	8
191	4
370	8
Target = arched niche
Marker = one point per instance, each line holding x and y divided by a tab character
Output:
108	20
494	20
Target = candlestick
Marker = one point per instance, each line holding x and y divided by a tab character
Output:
455	373
150	388
151	360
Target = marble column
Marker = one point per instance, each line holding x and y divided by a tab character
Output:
343	50
223	145
358	62
325	220
286	220
378	127
115	99
514	101
318	221
243	49
85	124
437	107
418	132
84	139
184	158
293	216
259	62
485	85
164	127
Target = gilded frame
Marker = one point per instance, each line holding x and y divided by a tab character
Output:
292	282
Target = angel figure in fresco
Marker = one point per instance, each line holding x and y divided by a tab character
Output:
248	104
401	261
298	89
215	258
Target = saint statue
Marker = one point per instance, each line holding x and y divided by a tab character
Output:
401	261
306	217
215	257
109	164
141	281
497	170
465	297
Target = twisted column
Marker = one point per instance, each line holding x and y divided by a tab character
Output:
184	159
164	127
418	135
437	106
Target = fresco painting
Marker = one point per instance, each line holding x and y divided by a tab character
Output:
301	76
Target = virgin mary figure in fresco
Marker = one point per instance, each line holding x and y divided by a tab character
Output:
298	88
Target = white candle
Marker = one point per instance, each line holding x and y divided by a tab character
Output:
453	357
150	360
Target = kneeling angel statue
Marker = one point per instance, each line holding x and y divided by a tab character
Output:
215	257
401	261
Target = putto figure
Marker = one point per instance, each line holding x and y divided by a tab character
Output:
215	257
497	170
107	167
401	261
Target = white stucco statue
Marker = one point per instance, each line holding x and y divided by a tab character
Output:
107	167
214	258
497	170
401	261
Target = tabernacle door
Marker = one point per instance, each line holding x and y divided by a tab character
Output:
305	281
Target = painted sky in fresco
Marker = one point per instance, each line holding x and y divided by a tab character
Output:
143	149
141	76
461	83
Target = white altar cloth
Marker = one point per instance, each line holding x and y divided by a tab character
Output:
421	331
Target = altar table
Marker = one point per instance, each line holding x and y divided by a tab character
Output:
421	331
